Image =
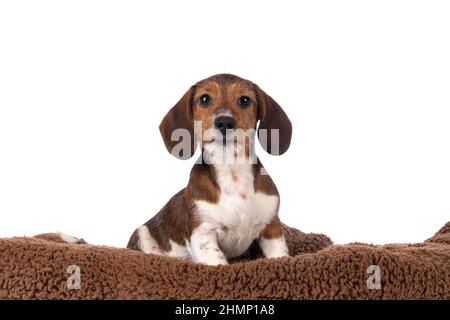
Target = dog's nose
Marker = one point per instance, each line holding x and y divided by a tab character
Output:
224	122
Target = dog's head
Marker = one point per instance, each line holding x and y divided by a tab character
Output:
221	108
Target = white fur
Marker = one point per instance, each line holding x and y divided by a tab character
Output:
239	216
204	247
273	248
146	243
177	250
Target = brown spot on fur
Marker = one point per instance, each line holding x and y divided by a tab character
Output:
243	196
202	184
273	230
234	177
263	182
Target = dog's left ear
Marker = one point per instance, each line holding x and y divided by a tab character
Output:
177	128
272	118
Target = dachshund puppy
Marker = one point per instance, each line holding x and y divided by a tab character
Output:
230	201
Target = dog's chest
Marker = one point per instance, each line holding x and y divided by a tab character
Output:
241	213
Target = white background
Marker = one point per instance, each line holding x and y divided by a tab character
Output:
85	84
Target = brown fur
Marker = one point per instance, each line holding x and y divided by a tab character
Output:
179	117
263	182
273	230
272	117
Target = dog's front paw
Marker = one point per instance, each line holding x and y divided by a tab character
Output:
274	248
217	263
213	259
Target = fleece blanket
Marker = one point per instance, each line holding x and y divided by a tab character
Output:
44	267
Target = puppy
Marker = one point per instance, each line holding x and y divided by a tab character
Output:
230	201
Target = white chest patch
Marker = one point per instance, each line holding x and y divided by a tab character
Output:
241	213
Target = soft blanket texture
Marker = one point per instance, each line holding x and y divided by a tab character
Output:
36	268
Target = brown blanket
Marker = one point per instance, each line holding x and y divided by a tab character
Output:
36	268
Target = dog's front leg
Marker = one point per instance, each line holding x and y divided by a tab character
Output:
204	246
272	242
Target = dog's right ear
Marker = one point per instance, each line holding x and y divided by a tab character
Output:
177	128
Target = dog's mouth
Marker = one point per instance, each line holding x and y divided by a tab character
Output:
225	139
206	141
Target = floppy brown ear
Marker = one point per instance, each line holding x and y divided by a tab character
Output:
177	128
272	117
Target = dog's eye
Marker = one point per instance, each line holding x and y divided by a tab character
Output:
205	100
244	101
